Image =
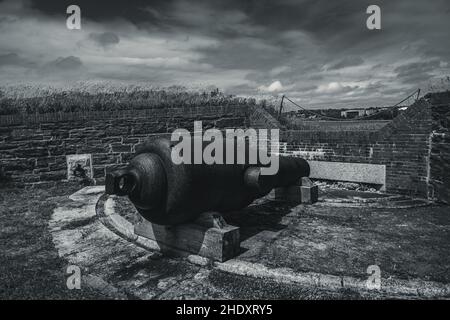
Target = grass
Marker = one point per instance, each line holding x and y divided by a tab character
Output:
30	267
26	99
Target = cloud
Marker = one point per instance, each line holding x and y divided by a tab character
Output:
334	87
279	70
13	59
417	71
275	86
320	51
63	68
104	39
66	63
347	62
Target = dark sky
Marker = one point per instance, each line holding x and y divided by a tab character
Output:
318	52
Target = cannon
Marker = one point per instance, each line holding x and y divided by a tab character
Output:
166	193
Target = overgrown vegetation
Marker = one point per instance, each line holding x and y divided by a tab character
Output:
35	99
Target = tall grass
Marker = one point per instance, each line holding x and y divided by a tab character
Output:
26	99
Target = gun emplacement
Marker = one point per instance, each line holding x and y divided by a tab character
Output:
166	193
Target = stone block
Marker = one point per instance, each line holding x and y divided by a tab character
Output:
309	194
209	236
347	171
304	192
118	147
306	182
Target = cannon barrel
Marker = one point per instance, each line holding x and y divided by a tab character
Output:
168	194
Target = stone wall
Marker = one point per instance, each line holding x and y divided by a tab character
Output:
414	146
33	149
402	145
439	182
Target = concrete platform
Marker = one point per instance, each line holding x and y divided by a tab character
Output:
352	172
204	237
325	250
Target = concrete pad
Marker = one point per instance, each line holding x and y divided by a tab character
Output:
345	171
310	194
317	239
90	193
214	243
405	244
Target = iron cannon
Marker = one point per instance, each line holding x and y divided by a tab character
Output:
166	193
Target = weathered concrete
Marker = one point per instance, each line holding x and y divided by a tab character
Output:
310	194
296	194
293	248
122	269
217	242
345	171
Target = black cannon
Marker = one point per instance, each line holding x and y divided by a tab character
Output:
166	193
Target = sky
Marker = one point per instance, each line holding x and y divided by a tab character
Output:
318	53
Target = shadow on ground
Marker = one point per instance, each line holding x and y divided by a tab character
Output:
404	243
30	267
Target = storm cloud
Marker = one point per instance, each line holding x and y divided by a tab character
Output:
12	59
347	62
416	70
317	52
105	39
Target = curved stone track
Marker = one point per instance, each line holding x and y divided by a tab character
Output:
121	265
121	269
111	264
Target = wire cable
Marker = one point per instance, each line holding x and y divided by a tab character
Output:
356	118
